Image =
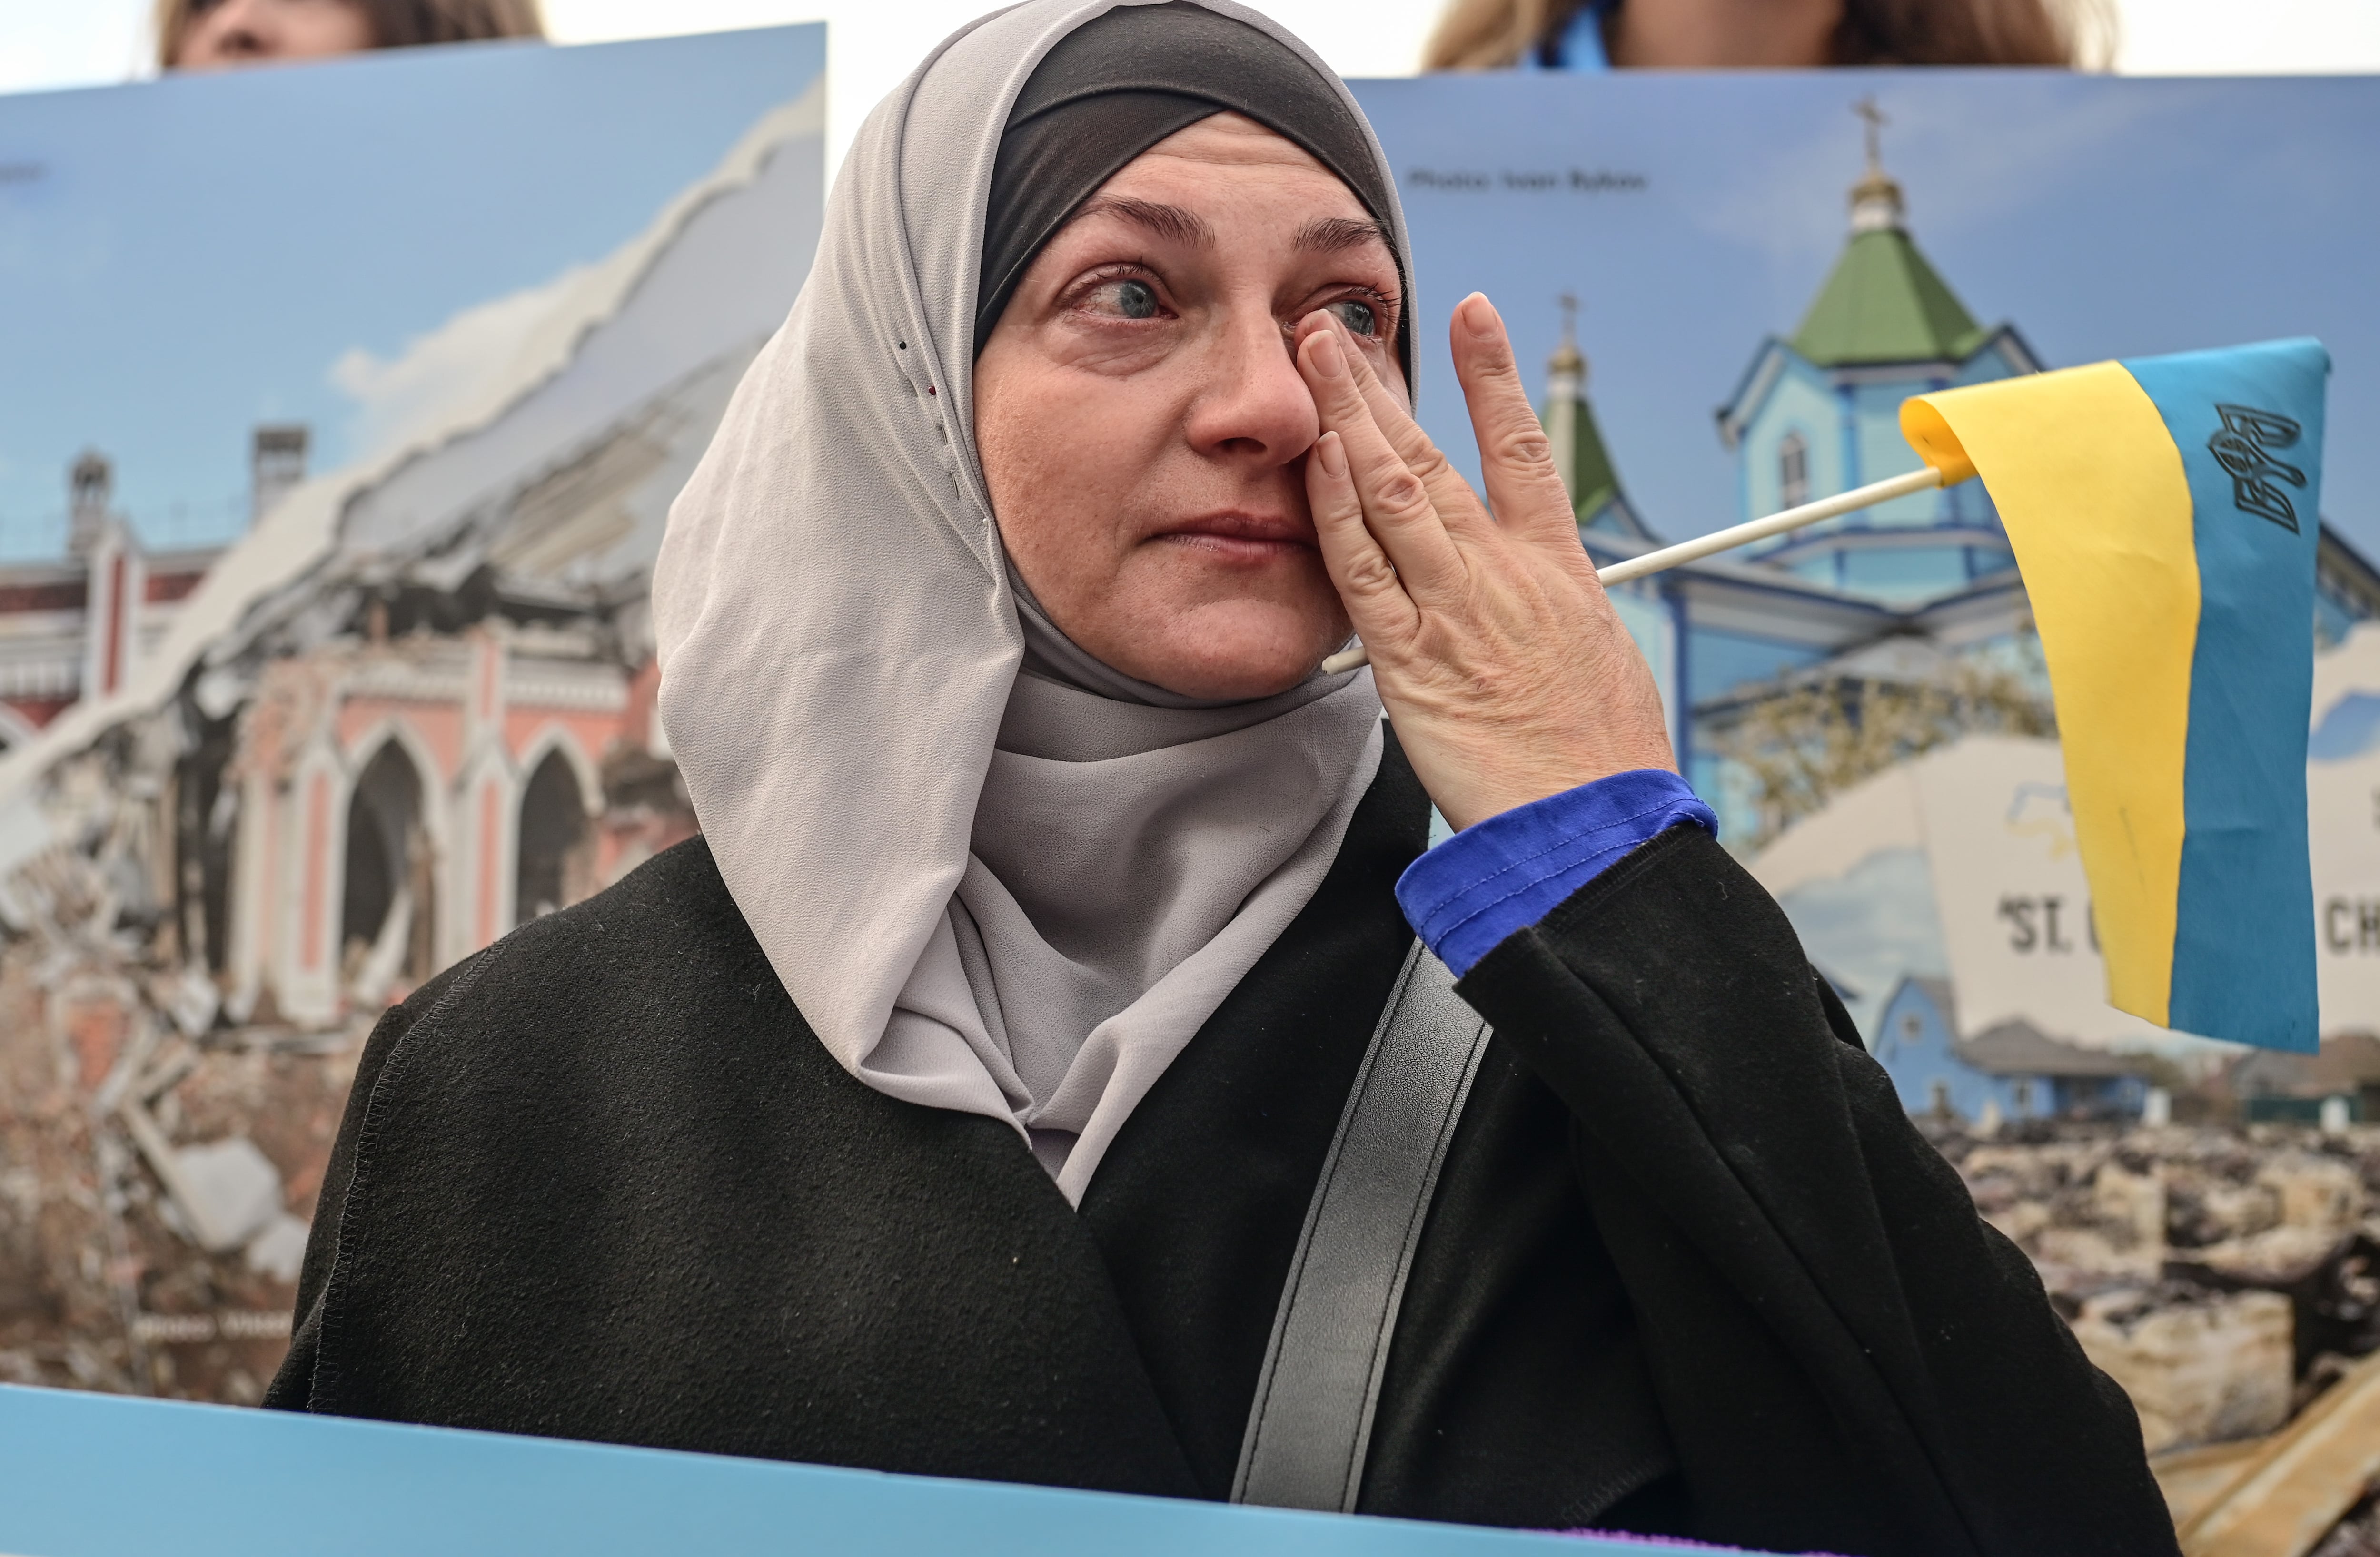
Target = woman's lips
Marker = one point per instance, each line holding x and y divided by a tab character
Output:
1242	538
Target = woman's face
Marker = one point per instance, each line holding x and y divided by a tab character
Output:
230	32
1144	428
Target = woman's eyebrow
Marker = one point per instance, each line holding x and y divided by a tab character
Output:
1334	234
1170	222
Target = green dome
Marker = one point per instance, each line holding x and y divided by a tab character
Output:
1579	454
1885	303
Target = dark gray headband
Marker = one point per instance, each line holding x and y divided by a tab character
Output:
1124	81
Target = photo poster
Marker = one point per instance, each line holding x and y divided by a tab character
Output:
1746	342
341	409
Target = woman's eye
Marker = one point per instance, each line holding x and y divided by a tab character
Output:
1132	299
1356	316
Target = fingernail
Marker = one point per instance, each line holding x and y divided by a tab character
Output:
1333	455
1480	314
1327	360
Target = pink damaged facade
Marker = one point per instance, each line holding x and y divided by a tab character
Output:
252	795
209	900
405	801
381	802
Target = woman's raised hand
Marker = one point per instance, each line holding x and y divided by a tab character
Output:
1502	664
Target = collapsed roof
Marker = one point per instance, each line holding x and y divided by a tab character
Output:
536	483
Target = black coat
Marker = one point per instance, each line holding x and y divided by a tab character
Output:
1689	1268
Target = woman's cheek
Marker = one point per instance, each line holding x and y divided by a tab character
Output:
1110	349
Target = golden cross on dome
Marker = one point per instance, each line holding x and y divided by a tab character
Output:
1867	110
1566	360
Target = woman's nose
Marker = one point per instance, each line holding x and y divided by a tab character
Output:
1255	406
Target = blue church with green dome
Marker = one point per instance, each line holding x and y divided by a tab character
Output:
1820	412
1920	593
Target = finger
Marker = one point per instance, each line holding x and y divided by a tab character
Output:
1458	507
1382	613
1516	460
1396	504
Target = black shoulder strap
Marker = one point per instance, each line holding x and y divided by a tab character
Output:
1312	1421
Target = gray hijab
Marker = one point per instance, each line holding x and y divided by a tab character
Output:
1018	895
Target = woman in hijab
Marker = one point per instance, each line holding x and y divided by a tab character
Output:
1008	1084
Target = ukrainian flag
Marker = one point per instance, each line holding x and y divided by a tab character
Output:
2164	515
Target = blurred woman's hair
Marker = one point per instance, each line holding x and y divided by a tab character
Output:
395	24
1491	34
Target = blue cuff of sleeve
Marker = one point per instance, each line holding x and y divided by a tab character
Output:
1505	873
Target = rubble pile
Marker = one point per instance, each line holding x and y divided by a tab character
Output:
154	1189
157	1164
2200	1367
2357	1534
2223	1275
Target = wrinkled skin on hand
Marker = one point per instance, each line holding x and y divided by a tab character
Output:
1504	666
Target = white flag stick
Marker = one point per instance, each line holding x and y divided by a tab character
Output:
1725	541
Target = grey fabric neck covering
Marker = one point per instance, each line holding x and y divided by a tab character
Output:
1018	896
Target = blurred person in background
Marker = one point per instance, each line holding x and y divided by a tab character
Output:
218	34
1755	34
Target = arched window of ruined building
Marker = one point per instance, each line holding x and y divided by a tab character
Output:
384	915
557	842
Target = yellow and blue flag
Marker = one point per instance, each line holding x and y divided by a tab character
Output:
2163	512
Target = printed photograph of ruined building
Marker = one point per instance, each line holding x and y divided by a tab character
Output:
337	439
341	411
1730	284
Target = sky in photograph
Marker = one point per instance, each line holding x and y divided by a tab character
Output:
2104	217
182	260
